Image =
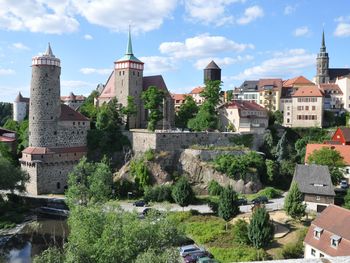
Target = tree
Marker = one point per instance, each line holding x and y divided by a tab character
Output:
129	110
293	204
11	177
50	255
214	188
187	111
5	112
182	192
211	92
88	108
228	206
152	255
240	232
281	149
300	147
347	200
260	229
272	171
278	116
229	95
331	158
153	101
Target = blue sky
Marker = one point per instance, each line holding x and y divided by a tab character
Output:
249	39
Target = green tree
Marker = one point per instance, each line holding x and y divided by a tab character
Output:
211	92
347	200
5	112
12	177
272	171
182	192
214	188
229	95
152	255
228	207
331	158
187	111
139	171
50	255
260	229
88	108
278	116
129	110
293	204
300	147
240	232
153	101
281	149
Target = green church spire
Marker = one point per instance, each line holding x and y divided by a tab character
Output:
129	56
323	43
129	45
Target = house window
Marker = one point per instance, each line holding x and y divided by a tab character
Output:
313	252
335	241
317	232
347	170
313	107
321	255
318	198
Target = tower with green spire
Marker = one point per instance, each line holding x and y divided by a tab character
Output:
322	62
128	81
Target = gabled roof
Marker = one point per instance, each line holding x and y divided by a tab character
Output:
68	114
313	179
333	221
243	105
72	96
308	91
212	65
344	150
274	83
156	80
197	90
335	73
178	96
346	133
7	135
108	90
300	80
249	85
331	88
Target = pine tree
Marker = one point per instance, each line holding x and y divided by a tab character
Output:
182	192
293	204
228	206
281	148
260	229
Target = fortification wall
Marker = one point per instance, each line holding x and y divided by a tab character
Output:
72	134
142	140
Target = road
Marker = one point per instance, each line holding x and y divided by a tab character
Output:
274	204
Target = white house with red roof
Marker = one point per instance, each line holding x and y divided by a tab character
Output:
245	116
329	234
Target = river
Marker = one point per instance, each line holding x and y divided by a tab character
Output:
20	245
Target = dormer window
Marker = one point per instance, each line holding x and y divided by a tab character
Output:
335	240
317	232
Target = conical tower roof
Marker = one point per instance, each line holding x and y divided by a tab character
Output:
129	56
48	52
323	43
212	65
19	97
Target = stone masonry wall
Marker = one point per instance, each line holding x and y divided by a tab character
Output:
72	134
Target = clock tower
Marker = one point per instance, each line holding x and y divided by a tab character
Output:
322	61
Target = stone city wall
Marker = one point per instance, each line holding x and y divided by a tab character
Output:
72	134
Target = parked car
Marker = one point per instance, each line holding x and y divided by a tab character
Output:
242	201
195	255
207	260
185	250
344	184
140	203
260	200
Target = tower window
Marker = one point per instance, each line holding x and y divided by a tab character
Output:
51	118
55	133
120	73
123	72
133	73
58	185
47	104
138	74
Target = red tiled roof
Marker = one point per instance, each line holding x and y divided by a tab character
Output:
346	133
344	150
197	90
7	139
308	91
244	105
68	114
276	83
108	91
72	97
331	88
334	220
178	96
301	80
44	150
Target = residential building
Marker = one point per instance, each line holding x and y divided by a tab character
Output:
324	74
249	91
73	101
344	85
329	234
344	151
333	97
245	116
270	93
305	108
178	99
8	138
127	80
314	182
196	95
342	136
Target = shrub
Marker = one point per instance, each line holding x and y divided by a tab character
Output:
239	253
240	232
214	188
294	250
138	169
149	155
270	192
182	192
244	139
158	193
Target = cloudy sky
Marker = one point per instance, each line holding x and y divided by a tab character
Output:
248	39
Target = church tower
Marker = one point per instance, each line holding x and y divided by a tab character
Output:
322	75
128	72
212	72
44	108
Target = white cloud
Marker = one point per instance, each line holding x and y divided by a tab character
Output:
157	64
52	17
301	31
101	71
289	9
4	71
88	37
287	63
210	12
342	30
222	62
202	46
145	15
250	14
19	46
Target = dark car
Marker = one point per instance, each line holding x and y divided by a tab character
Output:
260	200
242	201
140	203
194	256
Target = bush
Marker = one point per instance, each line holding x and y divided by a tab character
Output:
270	192
294	250
149	155
239	253
240	232
50	255
244	139
214	188
159	193
138	169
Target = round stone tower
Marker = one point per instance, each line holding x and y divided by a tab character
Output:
45	104
212	72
